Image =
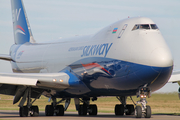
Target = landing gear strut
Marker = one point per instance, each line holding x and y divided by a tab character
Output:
146	109
24	110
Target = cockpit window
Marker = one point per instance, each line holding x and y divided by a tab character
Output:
154	26
135	27
145	26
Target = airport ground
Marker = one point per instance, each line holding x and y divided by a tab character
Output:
162	105
14	115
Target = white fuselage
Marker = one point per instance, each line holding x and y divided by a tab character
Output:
146	47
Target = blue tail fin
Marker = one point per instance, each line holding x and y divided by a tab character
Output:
22	31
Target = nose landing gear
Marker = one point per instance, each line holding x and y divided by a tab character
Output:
138	111
146	109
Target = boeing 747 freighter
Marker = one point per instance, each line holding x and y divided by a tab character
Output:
127	58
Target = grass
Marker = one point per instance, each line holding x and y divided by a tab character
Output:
160	103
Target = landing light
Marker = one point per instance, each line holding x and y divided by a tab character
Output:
54	80
61	80
143	96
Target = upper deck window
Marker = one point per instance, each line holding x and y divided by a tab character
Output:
154	26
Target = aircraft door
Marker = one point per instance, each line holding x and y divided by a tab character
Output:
122	31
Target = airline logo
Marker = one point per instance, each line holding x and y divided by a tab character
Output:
21	32
101	49
19	29
19	54
114	30
90	50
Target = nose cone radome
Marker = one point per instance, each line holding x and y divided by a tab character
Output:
161	57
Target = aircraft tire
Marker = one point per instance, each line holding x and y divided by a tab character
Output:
34	111
60	110
138	112
23	111
148	112
119	109
130	109
49	110
82	110
93	109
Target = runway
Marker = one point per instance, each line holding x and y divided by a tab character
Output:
13	115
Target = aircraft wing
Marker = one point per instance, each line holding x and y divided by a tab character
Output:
61	80
18	83
175	77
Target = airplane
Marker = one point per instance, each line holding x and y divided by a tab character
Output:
127	58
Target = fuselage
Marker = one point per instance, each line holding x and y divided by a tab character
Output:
117	60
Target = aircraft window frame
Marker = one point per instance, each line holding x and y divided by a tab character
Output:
155	27
144	26
136	27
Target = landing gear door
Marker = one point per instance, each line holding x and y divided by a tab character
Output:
122	31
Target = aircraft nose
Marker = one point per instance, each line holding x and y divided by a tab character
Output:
161	57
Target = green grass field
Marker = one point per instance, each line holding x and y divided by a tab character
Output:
160	103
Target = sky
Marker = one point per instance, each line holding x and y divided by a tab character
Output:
55	19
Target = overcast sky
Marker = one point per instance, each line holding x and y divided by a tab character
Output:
54	19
